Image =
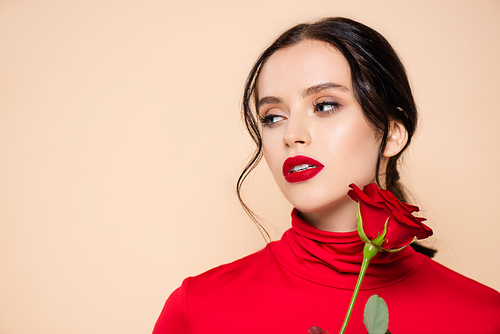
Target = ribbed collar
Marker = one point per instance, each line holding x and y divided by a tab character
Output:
334	259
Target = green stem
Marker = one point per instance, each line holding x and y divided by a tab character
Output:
368	253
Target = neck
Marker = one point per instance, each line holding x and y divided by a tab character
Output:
340	217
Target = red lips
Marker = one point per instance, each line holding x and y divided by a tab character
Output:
300	168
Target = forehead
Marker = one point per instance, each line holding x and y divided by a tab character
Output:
303	65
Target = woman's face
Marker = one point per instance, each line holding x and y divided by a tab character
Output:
306	102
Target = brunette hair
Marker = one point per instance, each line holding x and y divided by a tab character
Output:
380	86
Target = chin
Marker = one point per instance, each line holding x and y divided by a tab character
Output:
312	204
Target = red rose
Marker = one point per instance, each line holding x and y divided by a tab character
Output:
377	205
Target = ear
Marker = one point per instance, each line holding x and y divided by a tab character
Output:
396	139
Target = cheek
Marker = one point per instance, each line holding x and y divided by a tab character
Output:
271	149
354	146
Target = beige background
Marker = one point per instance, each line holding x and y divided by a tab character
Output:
120	143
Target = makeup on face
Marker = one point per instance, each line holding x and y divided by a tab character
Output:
315	137
301	168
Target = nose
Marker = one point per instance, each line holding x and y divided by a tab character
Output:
297	132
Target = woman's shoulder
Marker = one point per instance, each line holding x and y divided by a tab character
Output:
240	271
442	278
203	293
437	299
453	293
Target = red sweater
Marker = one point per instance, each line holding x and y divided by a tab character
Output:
307	278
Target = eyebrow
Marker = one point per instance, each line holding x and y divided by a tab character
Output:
268	100
305	93
323	86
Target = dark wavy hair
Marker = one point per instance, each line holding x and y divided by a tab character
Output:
380	86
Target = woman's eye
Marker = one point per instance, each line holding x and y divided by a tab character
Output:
326	107
271	119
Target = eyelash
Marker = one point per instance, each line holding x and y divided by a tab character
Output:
267	120
334	106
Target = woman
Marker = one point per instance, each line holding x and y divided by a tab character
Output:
335	108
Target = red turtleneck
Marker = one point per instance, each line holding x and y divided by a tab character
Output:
306	279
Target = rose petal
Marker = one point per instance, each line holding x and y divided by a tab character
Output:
393	202
399	235
374	219
359	196
376	205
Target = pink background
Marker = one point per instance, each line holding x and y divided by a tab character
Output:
120	144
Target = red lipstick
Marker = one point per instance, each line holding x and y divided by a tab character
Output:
300	168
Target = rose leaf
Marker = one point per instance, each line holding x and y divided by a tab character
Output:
376	315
